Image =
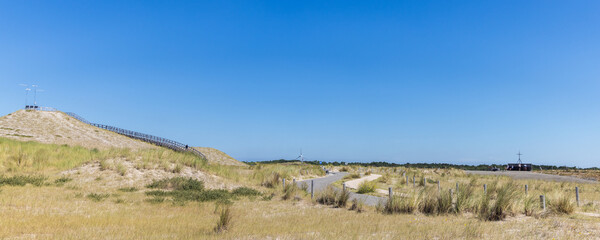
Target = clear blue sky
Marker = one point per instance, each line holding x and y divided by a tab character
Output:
417	81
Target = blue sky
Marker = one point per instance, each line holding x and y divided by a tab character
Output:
400	81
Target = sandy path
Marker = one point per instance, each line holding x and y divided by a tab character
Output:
354	183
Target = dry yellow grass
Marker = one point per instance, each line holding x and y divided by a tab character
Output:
585	174
64	213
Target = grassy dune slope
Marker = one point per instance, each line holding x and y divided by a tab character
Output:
219	157
59	128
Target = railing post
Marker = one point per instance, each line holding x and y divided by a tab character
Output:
577	195
543	202
312	189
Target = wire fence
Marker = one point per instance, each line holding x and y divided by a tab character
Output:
163	142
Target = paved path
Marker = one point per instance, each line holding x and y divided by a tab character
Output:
323	182
533	175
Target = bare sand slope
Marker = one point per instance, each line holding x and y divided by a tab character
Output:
533	175
219	157
59	128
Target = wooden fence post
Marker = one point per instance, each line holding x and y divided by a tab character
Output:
526	189
543	202
424	181
414	181
312	189
344	187
390	193
284	183
484	188
577	195
406	180
456	186
438	185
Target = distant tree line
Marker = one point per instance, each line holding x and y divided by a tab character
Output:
482	167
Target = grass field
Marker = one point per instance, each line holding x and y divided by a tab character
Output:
48	191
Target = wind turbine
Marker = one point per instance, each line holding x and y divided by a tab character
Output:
301	157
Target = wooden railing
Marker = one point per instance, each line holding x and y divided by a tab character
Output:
163	142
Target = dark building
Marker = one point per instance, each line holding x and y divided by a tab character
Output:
518	167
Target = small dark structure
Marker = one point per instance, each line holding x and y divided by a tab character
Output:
31	107
519	166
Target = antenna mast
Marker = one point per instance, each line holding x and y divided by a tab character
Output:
519	154
35	94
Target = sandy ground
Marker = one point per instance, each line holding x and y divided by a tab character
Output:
356	182
533	175
59	128
93	174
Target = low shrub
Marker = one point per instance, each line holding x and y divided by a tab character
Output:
342	198
155	200
444	203
358	205
62	180
22	180
366	187
561	205
463	198
177	183
98	197
504	200
352	176
121	169
428	204
399	204
289	191
128	189
272	181
224	221
245	191
327	196
304	186
530	205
